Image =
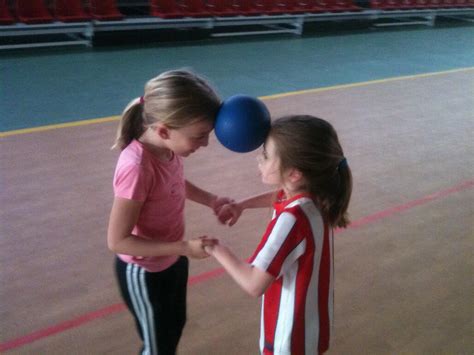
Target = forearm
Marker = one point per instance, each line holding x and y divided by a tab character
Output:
199	195
136	246
242	272
123	217
259	201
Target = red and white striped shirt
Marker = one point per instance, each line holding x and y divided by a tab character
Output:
297	308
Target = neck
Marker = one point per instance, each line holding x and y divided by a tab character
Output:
290	193
155	145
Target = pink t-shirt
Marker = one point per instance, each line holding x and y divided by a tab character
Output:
141	176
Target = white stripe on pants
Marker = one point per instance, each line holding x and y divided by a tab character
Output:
138	291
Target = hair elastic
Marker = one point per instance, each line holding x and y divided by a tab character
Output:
142	100
342	163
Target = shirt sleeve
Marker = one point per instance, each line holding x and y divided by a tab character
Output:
133	182
280	246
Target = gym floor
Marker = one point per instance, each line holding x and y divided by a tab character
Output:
402	101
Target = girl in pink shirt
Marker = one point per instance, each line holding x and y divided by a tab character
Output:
293	266
172	120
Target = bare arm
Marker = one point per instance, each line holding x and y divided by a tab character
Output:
252	280
263	200
124	216
231	212
199	195
206	198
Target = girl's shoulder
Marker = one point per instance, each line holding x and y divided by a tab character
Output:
302	208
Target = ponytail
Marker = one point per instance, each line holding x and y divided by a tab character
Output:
131	125
337	213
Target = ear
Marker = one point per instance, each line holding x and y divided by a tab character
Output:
294	175
162	131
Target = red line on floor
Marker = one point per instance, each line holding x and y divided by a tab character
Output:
76	322
61	327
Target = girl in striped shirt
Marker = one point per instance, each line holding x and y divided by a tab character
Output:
293	266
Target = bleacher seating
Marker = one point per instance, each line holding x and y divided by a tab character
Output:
70	11
32	11
49	20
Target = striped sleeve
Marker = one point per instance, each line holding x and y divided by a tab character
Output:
279	247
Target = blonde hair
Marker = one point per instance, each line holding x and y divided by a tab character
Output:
311	145
175	98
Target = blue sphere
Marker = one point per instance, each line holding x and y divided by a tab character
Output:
242	123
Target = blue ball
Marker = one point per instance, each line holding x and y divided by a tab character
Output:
242	123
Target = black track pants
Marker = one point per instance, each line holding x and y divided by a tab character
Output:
157	301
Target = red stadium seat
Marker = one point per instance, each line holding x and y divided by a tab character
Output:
289	7
311	6
462	3
70	11
347	5
267	7
181	8
246	7
194	8
340	5
6	17
385	4
447	3
408	4
165	9
434	4
423	4
220	7
105	10
32	11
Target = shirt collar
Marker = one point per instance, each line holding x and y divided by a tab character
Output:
282	202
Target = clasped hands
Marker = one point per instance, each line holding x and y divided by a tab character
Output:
227	212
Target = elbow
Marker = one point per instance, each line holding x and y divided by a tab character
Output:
255	292
112	245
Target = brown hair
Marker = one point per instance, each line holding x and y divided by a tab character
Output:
176	98
310	145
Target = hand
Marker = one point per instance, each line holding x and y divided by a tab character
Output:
211	245
230	213
195	247
218	202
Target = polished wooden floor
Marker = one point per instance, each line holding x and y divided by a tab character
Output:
404	269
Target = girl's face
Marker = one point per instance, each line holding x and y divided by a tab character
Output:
186	140
269	164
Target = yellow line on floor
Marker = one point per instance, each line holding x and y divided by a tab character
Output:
59	125
345	86
269	97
